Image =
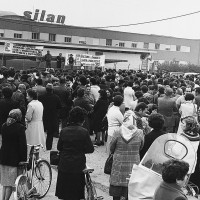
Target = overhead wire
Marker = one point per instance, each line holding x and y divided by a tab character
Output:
148	22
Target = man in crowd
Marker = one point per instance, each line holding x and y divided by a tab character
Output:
48	58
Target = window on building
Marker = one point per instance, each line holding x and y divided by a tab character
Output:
98	53
121	44
146	45
1	34
176	62
108	42
52	37
17	35
96	41
178	48
134	45
157	46
68	39
82	40
167	47
35	36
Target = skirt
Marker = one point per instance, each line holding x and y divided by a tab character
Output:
118	191
70	185
8	175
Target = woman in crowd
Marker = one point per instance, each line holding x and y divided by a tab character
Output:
13	151
125	146
115	118
191	130
35	129
156	121
188	108
73	144
174	175
89	96
99	112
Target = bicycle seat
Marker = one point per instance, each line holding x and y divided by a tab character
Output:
88	170
23	163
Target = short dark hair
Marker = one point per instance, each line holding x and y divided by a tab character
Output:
76	115
7	92
189	96
39	81
118	100
174	170
138	94
80	92
103	94
83	80
140	105
144	89
156	121
32	94
144	100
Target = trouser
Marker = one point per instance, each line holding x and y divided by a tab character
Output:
48	64
49	139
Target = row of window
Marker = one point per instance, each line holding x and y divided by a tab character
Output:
109	42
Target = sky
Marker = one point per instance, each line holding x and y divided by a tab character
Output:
101	13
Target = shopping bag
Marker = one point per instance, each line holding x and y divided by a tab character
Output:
142	183
54	157
108	164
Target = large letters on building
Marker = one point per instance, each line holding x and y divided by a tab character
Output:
42	16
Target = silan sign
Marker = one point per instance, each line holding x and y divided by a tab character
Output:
44	17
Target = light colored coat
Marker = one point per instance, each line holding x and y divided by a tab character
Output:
126	153
35	129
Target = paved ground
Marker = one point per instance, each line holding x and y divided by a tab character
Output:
95	161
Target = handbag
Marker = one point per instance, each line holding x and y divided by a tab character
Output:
54	157
108	164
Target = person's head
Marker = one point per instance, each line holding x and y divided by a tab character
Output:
179	91
118	100
7	92
22	88
49	88
76	115
197	91
83	80
80	92
188	90
60	54
103	94
87	89
189	97
93	81
109	92
168	92
138	94
156	121
144	89
161	90
189	125
62	80
31	95
48	52
15	115
175	171
39	81
141	108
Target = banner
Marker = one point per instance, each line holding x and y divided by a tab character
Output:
86	60
23	49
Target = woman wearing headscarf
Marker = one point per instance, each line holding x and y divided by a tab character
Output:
125	146
12	152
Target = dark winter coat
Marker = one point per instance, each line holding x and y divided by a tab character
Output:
52	104
99	112
14	146
74	142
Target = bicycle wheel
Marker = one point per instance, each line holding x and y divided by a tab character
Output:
21	188
42	177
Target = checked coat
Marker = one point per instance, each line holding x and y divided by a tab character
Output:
125	154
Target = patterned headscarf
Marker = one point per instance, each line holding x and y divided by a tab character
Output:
15	115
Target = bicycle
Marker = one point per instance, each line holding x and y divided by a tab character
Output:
90	190
36	177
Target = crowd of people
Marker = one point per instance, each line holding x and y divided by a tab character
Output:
126	110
